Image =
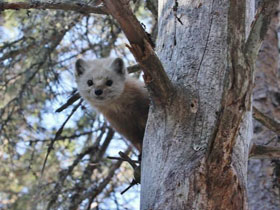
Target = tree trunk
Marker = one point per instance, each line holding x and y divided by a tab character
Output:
196	145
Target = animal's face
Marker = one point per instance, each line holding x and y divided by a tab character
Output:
100	81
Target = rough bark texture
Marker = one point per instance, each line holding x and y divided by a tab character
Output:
263	191
194	157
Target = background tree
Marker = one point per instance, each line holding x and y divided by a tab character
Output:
38	50
263	174
197	141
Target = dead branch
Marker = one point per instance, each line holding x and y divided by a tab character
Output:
133	182
133	68
264	152
128	159
61	138
105	144
141	47
69	102
66	172
94	159
58	133
120	158
259	28
266	121
93	191
78	7
136	169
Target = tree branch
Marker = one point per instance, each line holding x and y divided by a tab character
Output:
94	190
141	47
259	28
266	121
133	68
69	102
264	152
61	138
62	175
57	135
78	7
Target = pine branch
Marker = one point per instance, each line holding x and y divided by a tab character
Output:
78	7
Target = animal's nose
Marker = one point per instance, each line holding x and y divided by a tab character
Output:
98	92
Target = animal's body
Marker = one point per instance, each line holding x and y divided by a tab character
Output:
122	100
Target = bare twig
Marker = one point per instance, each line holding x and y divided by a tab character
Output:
61	138
259	28
134	182
64	173
266	121
93	191
141	46
136	170
94	159
264	152
119	158
128	159
78	7
69	102
57	135
14	53
105	144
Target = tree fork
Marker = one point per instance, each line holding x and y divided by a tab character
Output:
158	83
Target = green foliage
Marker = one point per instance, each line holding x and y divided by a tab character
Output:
37	51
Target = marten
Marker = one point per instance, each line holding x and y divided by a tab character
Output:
123	100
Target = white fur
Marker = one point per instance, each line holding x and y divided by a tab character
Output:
100	71
125	104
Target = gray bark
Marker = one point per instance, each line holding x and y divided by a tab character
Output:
177	158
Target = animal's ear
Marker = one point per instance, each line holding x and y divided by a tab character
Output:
118	66
80	67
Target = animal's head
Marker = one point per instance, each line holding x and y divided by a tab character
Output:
100	81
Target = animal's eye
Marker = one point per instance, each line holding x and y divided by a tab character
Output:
90	82
109	82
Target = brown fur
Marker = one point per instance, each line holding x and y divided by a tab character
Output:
124	103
